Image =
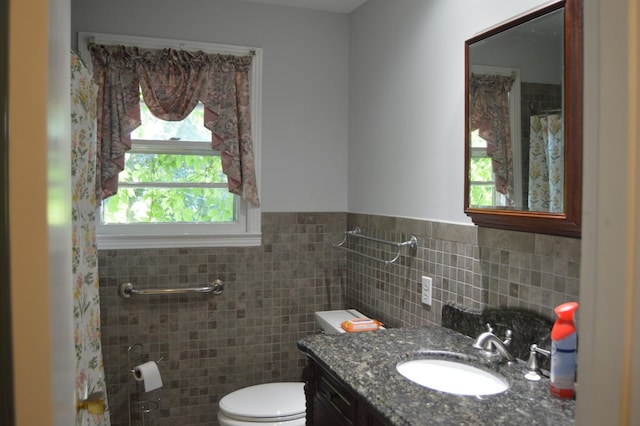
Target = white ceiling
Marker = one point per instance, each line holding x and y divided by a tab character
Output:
339	6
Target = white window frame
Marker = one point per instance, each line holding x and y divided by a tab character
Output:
246	231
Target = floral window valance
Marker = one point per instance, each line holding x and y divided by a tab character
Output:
172	83
489	112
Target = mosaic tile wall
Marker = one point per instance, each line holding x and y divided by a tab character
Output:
213	345
473	267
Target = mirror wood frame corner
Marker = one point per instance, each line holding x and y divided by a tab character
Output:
567	223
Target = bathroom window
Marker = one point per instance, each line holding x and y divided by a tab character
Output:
172	176
172	191
482	188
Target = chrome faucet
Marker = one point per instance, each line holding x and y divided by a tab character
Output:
493	348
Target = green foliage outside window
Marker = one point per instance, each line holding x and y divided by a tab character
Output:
146	193
480	171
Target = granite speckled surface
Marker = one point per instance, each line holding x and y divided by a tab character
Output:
366	363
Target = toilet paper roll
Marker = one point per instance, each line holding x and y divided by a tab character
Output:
149	374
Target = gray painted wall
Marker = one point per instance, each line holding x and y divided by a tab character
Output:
406	104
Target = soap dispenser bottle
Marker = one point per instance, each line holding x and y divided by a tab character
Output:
564	344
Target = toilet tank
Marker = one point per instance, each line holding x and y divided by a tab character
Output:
330	321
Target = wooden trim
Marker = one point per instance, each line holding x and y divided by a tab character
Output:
7	415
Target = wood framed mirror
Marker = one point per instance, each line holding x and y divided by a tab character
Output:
523	122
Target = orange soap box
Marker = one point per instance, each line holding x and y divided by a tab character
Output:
360	324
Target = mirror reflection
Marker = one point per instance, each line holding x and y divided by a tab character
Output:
516	117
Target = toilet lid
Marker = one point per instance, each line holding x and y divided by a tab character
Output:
282	401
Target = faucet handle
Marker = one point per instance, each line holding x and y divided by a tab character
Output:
533	370
508	335
544	352
489	328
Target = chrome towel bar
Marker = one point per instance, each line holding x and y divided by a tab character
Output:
356	232
127	290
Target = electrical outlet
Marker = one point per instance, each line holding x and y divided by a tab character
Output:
426	290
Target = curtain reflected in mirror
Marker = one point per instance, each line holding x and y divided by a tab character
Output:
489	117
546	163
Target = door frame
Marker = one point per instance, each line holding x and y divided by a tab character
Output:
7	416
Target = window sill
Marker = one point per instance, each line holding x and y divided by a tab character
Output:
108	242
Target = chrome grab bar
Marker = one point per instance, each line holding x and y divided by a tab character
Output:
127	290
356	232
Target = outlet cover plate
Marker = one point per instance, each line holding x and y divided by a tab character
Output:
426	290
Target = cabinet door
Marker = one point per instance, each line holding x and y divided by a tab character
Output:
330	402
335	397
325	413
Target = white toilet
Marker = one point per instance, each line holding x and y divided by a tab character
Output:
272	404
276	404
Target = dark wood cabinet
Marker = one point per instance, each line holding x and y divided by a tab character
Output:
330	402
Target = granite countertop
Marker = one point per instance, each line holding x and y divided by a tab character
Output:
366	363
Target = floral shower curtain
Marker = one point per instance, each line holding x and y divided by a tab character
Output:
546	164
86	302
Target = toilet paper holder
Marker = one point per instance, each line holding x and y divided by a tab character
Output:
132	364
133	370
136	356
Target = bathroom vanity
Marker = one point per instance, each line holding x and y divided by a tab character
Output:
351	379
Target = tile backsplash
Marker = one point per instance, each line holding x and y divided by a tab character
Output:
211	345
473	267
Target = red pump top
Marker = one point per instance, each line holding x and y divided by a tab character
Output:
564	325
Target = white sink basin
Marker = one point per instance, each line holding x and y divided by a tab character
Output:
451	376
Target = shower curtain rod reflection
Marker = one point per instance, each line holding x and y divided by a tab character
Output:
534	109
127	290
